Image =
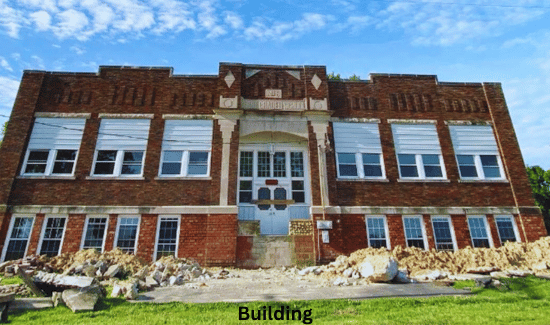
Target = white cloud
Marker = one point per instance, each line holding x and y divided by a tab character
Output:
42	19
38	62
8	89
70	23
233	20
11	19
283	31
48	5
77	50
4	64
173	16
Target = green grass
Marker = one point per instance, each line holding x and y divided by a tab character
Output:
517	301
11	280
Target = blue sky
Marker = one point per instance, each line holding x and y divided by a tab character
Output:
505	41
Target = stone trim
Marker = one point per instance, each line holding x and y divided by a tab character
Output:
46	177
355	120
412	210
478	122
83	209
411	121
63	115
187	117
128	116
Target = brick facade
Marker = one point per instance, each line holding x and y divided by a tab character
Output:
208	232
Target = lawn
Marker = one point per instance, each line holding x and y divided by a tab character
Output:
519	301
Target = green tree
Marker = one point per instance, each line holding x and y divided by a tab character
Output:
540	184
354	77
332	76
3	131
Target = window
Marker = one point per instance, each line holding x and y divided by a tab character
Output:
94	236
376	232
479	231
476	152
18	237
444	239
418	151
52	236
53	147
120	149
186	148
414	232
167	236
507	230
127	233
358	150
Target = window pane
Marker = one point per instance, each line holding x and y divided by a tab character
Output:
106	155
131	170
376	232
245	196
171	168
95	233
279	164
166	245
247	160
127	234
468	171
465	159
264	164
413	232
297	164
35	168
347	170
173	156
491	172
197	170
299	197
66	155
297	185
408	171
433	171
53	232
478	232
346	158
196	157
371	158
488	160
20	234
372	171
442	233
505	229
430	159
61	167
38	156
407	160
104	168
133	156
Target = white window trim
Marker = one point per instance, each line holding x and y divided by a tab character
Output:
52	153
184	171
159	219
479	168
487	229
85	230
422	228
118	165
386	229
119	218
359	165
420	167
514	226
10	229
451	228
64	216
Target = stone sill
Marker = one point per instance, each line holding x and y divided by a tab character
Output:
158	178
47	177
483	181
423	180
375	180
97	178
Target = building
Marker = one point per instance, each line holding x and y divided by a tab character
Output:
258	165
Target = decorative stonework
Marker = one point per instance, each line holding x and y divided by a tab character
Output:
318	104
275	105
273	93
316	81
228	102
300	227
229	79
294	73
250	72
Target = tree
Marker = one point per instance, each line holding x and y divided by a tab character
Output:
540	184
332	76
354	77
3	131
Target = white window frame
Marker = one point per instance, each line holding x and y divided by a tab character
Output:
451	229
487	230
119	219
386	229
422	229
479	167
419	163
46	218
184	169
85	231
159	219
10	229
50	162
514	226
359	165
119	159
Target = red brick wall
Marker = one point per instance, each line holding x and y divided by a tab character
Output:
35	234
395	227
221	239
462	232
244	251
5	219
147	236
429	230
111	230
534	226
74	230
192	241
304	249
494	230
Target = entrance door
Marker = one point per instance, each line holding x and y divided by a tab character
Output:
270	184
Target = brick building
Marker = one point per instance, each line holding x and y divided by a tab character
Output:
258	165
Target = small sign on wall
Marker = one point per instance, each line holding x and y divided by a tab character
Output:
324	224
273	93
324	235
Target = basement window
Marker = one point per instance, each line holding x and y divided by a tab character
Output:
507	230
95	233
127	234
377	230
52	236
18	238
443	233
479	231
167	237
414	232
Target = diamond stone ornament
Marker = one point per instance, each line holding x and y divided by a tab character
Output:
316	81
229	79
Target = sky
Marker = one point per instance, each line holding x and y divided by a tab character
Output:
506	41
